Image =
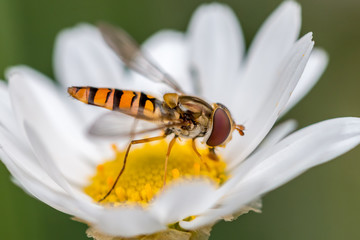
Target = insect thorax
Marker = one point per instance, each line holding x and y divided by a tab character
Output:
194	115
190	129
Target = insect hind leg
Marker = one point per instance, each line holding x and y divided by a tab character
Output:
133	142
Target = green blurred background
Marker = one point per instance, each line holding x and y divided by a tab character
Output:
320	204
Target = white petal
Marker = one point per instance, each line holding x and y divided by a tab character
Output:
7	117
182	200
47	162
259	121
314	68
82	58
24	158
85	203
23	165
292	156
168	50
267	51
37	102
58	200
216	50
304	149
5	99
278	133
275	135
127	222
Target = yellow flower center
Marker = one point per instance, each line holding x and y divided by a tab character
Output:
143	177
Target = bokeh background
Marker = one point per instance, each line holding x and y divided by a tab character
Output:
323	203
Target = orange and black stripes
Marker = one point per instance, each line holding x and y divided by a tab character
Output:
133	103
117	94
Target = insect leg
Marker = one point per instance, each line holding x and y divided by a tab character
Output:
198	154
195	149
212	154
133	128
171	144
133	142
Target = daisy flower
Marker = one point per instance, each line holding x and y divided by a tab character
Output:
45	146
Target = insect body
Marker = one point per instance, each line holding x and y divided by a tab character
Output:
177	113
183	115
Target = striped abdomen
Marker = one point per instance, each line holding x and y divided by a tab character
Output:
135	104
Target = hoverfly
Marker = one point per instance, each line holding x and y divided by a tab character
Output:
176	114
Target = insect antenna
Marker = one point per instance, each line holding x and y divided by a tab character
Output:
240	129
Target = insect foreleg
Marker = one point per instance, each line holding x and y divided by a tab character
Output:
193	144
198	154
212	154
133	142
171	144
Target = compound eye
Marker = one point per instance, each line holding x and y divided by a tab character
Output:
221	128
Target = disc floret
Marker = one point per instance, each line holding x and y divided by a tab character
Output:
144	173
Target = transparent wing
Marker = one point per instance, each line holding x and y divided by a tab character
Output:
129	52
117	125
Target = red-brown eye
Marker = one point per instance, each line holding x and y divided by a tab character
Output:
221	128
